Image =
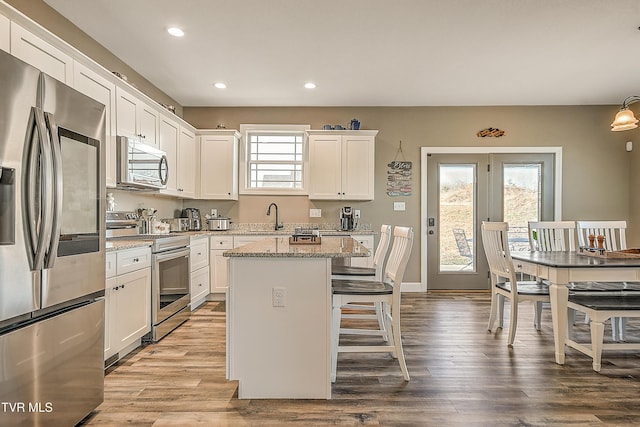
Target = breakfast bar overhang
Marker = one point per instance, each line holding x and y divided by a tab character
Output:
279	316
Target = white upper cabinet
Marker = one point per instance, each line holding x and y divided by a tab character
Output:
102	90
219	164
136	119
41	54
341	165
168	136
187	163
5	31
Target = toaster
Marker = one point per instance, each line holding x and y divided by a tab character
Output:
177	224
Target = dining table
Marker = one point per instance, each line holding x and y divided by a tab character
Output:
565	267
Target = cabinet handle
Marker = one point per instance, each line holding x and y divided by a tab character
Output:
180	189
199	253
115	289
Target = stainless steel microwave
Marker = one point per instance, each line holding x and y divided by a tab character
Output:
140	165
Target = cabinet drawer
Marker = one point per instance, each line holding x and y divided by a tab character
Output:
221	242
199	253
132	260
110	268
526	268
366	241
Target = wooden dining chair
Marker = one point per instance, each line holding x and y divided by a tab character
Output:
615	239
367	311
385	292
367	273
550	236
614	232
503	278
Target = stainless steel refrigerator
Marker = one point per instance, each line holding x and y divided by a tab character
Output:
52	264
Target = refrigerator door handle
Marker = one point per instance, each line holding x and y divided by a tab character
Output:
52	128
37	198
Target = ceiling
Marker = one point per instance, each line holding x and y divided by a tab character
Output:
374	52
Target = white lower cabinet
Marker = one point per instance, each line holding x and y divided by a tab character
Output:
218	263
199	287
367	241
127	301
199	270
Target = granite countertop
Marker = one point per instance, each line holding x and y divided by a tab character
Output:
247	229
242	229
331	247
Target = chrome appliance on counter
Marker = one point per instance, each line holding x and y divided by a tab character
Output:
170	274
52	239
218	224
348	220
195	223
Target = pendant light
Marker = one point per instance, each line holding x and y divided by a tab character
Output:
625	119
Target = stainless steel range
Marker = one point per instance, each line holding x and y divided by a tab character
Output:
170	273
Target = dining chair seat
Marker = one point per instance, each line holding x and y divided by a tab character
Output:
361	287
526	287
347	270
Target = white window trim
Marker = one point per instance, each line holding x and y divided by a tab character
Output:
244	152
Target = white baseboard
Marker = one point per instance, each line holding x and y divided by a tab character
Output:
411	287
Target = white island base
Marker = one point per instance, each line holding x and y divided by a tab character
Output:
279	351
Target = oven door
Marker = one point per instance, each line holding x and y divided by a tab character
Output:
171	283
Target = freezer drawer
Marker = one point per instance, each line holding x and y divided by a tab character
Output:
52	371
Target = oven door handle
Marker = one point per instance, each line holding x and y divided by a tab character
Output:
163	256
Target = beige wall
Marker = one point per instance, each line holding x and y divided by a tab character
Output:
596	167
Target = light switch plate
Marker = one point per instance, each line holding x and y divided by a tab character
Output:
398	206
315	213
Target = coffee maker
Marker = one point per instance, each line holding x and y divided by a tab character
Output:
348	220
193	214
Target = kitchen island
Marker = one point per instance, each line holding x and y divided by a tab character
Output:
279	316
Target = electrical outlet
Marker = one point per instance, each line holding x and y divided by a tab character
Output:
278	297
315	213
357	213
398	206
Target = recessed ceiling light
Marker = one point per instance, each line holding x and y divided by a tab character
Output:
220	85
175	31
310	85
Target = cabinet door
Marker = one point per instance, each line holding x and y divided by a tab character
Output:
325	176
199	286
367	242
132	307
42	55
5	29
187	164
109	330
104	91
148	124
358	167
219	167
126	114
169	134
218	265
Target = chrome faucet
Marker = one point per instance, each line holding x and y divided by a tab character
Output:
278	226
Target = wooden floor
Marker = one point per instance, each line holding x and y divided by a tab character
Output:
461	375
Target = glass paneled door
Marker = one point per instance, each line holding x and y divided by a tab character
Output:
465	189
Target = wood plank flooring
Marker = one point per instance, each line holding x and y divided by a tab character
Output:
461	375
